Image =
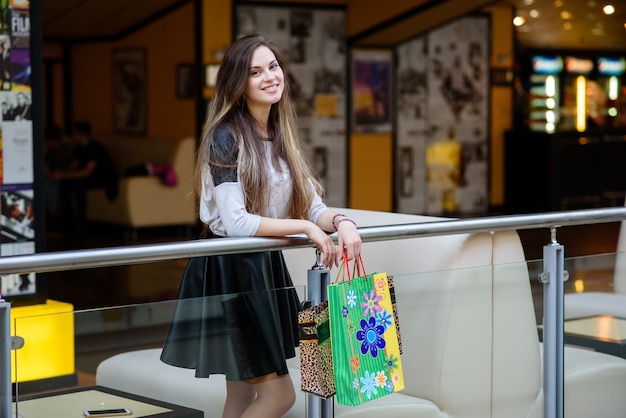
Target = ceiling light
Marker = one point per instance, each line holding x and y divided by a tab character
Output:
534	13
519	20
567	26
558	3
566	15
608	9
528	2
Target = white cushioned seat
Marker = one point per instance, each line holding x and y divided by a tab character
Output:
469	335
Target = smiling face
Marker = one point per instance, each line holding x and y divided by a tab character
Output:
265	80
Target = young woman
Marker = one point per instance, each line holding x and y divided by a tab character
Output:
237	314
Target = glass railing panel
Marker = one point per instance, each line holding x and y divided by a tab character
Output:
469	339
58	367
594	336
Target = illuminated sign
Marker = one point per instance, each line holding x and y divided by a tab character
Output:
611	66
547	64
578	65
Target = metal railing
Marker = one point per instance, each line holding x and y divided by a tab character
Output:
552	277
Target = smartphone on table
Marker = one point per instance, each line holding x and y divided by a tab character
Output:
107	412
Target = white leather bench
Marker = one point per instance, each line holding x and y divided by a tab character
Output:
469	335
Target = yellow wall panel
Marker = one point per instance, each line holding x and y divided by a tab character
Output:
371	172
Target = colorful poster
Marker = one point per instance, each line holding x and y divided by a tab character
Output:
19	4
20	29
17	152
18	236
371	91
17	220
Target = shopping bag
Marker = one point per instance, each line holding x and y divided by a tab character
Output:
365	348
394	306
316	364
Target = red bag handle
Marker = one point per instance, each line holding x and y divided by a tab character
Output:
359	267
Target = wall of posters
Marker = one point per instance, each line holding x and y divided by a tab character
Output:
314	42
17	226
443	103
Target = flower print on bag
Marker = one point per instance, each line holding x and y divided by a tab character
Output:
381	378
380	283
351	298
371	305
384	318
372	337
368	384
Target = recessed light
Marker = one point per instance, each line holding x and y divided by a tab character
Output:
566	15
519	20
528	2
567	26
558	3
534	13
608	9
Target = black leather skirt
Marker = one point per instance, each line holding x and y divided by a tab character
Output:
236	315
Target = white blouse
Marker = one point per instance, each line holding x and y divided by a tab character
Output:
223	208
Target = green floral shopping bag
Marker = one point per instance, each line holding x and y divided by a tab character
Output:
366	353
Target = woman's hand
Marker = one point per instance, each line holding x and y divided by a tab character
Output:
325	243
348	240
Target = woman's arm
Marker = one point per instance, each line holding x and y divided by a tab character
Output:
270	227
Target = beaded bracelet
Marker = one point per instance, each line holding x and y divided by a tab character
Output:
334	221
345	219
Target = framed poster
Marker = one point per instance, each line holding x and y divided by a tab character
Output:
129	91
184	81
371	91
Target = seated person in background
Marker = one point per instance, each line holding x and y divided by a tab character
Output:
91	167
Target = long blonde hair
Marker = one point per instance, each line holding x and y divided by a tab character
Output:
227	108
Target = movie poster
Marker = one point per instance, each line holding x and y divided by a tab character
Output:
371	91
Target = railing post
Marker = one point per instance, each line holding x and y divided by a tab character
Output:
5	359
552	278
318	279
